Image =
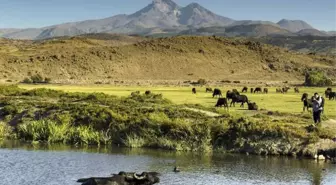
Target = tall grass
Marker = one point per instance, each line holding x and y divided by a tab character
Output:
5	131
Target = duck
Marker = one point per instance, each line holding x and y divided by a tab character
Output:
176	169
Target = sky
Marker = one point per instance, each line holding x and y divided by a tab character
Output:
321	14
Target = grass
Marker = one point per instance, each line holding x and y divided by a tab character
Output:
45	115
288	103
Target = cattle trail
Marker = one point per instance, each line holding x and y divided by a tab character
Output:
208	113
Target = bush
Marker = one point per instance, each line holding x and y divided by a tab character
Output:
201	81
37	78
27	80
317	78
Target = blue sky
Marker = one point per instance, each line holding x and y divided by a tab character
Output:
38	13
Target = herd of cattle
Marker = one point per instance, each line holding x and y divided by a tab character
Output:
236	97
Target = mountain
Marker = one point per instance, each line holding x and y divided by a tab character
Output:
162	14
294	25
331	33
246	29
312	32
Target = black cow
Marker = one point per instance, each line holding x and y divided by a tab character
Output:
296	90
251	90
327	92
230	94
147	92
332	96
244	90
208	89
239	99
307	103
279	90
252	106
265	90
222	102
193	90
285	89
217	92
235	91
123	178
257	90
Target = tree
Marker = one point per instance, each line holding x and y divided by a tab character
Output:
317	78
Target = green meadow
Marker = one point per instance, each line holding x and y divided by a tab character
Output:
287	103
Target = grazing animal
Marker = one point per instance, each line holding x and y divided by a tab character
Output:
285	89
266	90
252	106
230	94
217	92
257	90
332	96
147	92
279	90
222	102
327	92
123	178
235	91
296	90
307	103
193	90
239	99
208	89
252	90
244	90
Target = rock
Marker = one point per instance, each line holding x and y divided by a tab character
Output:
123	178
319	157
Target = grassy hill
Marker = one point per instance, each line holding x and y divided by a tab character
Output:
88	59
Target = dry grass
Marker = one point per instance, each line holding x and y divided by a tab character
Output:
88	60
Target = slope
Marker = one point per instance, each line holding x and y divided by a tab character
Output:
84	60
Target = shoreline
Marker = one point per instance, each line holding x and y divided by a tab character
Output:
150	121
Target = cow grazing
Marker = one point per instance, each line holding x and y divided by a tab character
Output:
235	91
147	92
257	90
332	96
208	90
238	99
230	94
252	106
285	89
193	90
244	90
307	103
217	92
266	90
327	92
296	90
279	90
222	102
252	90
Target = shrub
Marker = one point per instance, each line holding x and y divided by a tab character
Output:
27	80
317	78
37	78
201	81
47	80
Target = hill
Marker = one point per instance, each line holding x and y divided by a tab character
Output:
305	44
88	60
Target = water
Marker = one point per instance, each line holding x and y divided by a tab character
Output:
59	164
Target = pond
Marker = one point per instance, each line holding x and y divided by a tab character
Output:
61	164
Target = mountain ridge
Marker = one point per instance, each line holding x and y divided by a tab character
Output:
159	14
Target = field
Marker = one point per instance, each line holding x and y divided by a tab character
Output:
288	103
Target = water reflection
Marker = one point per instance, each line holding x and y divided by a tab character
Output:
71	162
